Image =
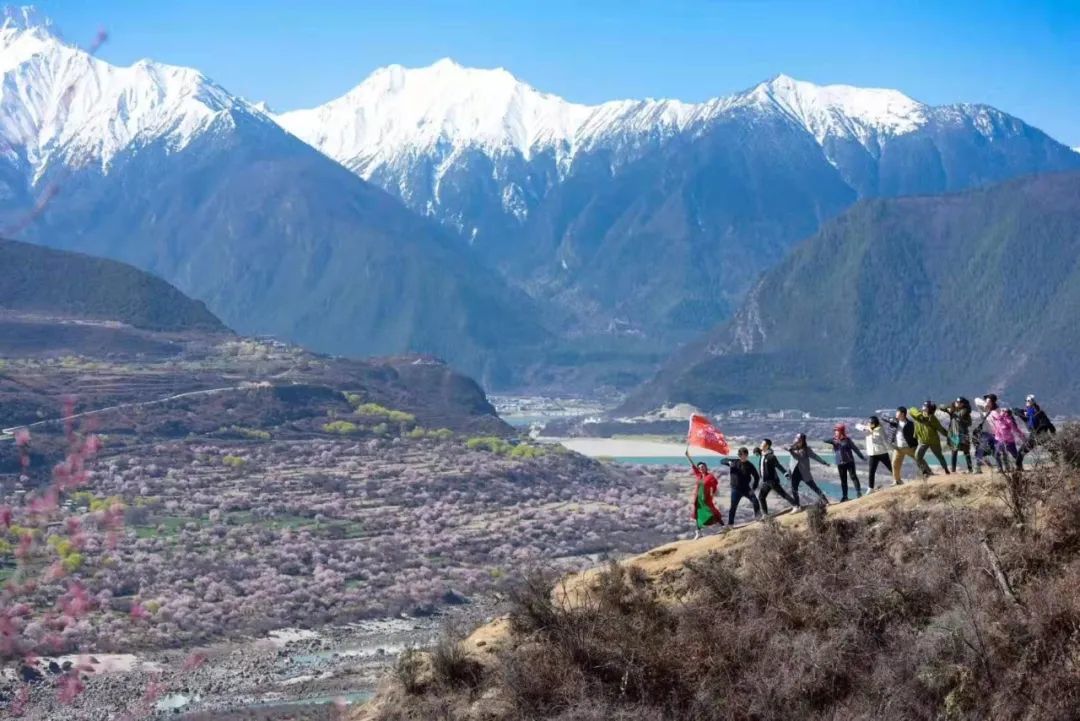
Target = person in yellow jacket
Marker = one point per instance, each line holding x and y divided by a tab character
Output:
929	432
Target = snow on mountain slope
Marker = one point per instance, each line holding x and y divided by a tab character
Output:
838	110
398	108
445	108
58	103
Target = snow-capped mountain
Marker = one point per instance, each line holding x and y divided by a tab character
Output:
61	104
642	219
449	109
611	207
160	167
409	130
446	110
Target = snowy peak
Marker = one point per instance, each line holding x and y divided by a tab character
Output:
839	110
398	113
60	104
422	108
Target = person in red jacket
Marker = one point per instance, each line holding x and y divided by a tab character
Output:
705	511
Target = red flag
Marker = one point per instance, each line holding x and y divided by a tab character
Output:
704	434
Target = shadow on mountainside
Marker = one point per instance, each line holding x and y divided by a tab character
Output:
958	598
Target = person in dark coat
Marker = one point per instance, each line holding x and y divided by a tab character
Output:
744	481
906	442
770	468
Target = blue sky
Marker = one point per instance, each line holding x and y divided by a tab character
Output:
1021	57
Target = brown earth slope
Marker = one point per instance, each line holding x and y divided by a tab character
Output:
958	598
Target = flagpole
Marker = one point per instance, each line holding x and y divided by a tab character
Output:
689	426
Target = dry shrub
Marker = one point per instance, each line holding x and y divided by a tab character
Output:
1064	446
949	613
532	605
1016	492
452	666
413	671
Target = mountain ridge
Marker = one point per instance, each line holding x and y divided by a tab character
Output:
604	211
617	230
917	294
65	106
435	101
576	124
160	167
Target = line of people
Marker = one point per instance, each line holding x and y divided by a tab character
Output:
913	433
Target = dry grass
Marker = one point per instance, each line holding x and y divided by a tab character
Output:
921	602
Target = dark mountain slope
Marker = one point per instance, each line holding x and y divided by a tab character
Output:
45	281
899	299
672	243
278	239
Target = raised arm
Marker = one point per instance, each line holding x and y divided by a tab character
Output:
693	466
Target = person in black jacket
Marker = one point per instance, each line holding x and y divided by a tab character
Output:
905	442
771	468
744	479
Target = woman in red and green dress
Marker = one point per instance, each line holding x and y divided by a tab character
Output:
705	511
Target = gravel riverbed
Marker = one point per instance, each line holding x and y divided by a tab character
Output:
286	674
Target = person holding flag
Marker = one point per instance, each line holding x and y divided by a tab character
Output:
705	511
703	434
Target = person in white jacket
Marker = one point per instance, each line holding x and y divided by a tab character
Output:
878	447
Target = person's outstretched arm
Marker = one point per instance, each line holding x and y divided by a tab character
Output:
942	430
816	457
780	467
693	466
756	476
855	448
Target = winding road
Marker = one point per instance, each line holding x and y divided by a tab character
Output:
122	406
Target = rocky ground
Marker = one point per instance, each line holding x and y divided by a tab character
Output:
289	673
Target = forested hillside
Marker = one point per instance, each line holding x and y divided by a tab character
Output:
41	280
904	298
